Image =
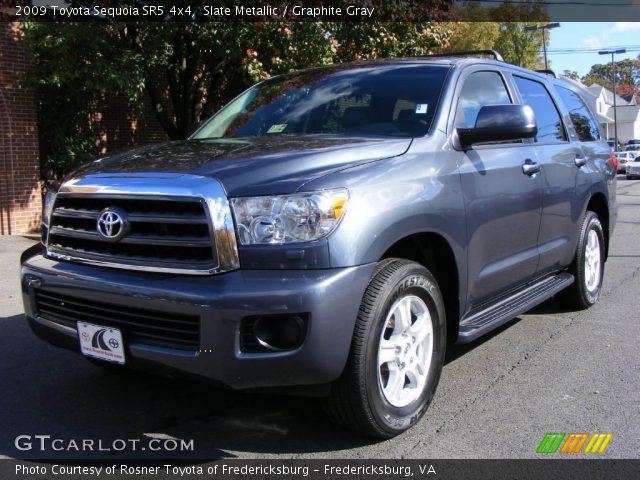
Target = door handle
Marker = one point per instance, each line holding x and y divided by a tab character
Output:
529	167
580	161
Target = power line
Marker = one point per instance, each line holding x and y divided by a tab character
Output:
573	52
590	49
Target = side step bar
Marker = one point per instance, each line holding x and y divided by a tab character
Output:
496	314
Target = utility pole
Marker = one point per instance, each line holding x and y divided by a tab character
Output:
548	26
615	106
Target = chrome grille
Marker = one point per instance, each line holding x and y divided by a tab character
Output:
163	232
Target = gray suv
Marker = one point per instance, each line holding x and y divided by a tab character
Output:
333	230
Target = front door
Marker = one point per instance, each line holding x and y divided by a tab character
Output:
503	200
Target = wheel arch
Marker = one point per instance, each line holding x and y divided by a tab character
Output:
598	204
434	252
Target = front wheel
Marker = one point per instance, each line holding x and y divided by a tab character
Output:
397	352
587	267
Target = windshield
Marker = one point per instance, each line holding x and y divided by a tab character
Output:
398	100
631	148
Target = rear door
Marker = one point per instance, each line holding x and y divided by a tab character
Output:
502	202
596	156
558	159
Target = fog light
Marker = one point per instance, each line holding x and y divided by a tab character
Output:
274	333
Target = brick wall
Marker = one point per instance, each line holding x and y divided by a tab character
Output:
117	125
20	194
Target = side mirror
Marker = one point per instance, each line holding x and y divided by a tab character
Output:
499	123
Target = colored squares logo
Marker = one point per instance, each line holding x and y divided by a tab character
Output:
598	443
556	442
550	443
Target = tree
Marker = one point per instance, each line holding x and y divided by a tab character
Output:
187	70
627	73
519	46
572	74
626	90
475	36
516	45
501	28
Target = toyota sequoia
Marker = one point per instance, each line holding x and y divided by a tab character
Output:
333	230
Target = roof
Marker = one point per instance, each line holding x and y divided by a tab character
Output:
598	89
444	61
628	113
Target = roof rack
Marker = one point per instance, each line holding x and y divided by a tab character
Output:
468	53
547	71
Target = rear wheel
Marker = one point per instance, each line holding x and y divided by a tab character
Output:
587	267
396	354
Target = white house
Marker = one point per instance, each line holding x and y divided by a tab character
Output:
628	114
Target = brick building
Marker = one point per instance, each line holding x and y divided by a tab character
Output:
20	194
117	128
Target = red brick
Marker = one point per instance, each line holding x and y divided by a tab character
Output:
20	197
20	189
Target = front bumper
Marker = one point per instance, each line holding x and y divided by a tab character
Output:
331	299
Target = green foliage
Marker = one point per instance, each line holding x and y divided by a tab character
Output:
475	36
516	45
519	46
187	70
627	73
501	27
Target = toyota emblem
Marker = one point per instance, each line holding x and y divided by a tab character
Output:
112	224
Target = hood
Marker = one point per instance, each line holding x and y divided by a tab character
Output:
255	166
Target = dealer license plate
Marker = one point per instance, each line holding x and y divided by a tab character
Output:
100	342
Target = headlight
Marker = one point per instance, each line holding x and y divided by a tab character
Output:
294	218
47	208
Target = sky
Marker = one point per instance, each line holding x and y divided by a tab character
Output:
591	36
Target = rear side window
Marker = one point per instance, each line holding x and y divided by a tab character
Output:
582	119
537	97
479	89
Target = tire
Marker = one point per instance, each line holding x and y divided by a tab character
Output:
383	400
585	291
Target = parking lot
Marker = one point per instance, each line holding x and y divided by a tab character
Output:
547	371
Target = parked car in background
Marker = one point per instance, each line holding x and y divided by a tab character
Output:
632	168
624	157
634	141
612	144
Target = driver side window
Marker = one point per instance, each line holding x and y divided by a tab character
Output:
479	89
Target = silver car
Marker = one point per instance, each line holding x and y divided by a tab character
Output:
633	168
624	158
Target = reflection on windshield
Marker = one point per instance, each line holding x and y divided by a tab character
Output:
394	100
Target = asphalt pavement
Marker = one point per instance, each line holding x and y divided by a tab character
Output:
547	371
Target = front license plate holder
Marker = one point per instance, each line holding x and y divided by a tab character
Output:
101	342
